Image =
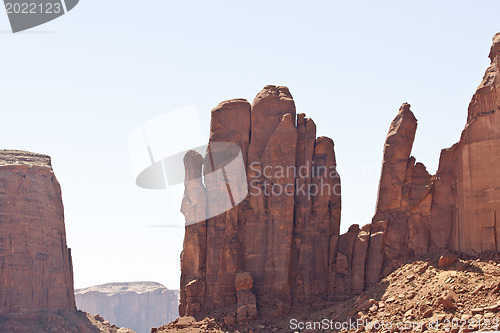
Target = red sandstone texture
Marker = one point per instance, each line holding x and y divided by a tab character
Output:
36	273
282	244
289	245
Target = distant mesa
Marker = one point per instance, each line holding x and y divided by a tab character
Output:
136	305
36	270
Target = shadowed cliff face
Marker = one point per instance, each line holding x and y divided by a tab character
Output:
36	271
468	178
289	245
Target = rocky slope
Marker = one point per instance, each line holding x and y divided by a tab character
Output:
449	295
36	273
287	243
431	294
136	305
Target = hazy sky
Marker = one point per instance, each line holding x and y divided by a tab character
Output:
76	87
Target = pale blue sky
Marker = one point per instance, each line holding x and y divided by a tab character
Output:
77	91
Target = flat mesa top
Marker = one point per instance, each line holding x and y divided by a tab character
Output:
123	287
21	157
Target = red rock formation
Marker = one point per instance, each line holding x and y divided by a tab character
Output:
400	225
266	222
36	273
455	210
282	225
290	244
247	304
193	257
211	248
460	203
466	205
321	232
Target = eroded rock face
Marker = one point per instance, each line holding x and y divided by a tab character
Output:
247	304
455	210
468	178
136	305
281	226
36	273
266	220
400	225
212	250
290	244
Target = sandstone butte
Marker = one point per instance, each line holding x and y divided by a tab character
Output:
273	254
136	305
36	272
